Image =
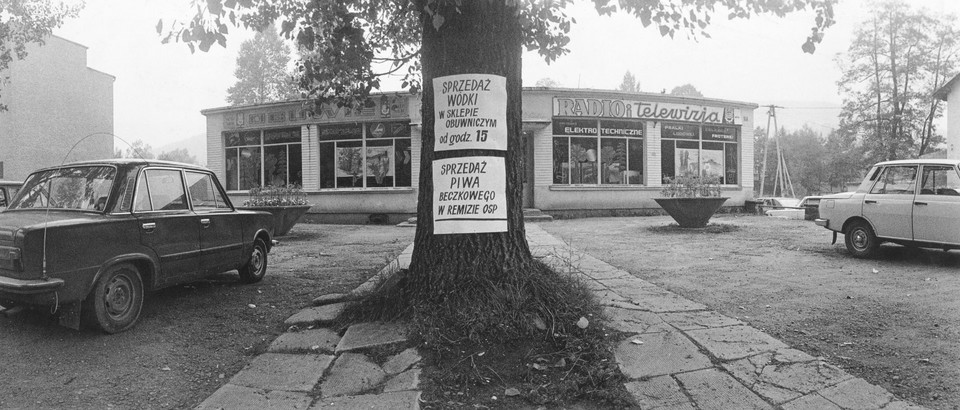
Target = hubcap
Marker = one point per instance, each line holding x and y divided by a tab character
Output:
859	239
257	261
119	296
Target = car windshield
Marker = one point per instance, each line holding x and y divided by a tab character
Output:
82	188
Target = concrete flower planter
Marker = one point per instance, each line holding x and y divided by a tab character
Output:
284	217
691	212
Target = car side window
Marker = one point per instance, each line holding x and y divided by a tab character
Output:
160	190
940	180
897	180
204	193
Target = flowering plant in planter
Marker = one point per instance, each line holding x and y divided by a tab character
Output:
687	186
691	200
287	204
289	195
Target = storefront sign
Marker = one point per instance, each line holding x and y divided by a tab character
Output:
340	132
719	133
388	130
471	112
570	126
679	131
469	195
614	108
613	128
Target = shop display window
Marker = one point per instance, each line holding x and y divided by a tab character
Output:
263	158
597	152
695	150
370	155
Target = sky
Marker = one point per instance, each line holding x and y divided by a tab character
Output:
160	89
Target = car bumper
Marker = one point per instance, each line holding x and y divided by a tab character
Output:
822	222
29	286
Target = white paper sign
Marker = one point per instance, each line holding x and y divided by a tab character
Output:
471	112
469	195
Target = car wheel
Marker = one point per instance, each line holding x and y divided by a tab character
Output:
116	299
861	241
256	267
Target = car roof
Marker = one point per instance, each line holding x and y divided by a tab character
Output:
128	162
953	162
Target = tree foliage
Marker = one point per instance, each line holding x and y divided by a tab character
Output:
350	45
548	82
137	149
686	90
179	155
27	21
898	58
261	72
816	164
629	83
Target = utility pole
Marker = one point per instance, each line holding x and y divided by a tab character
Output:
782	178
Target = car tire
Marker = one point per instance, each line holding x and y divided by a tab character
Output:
255	268
115	302
861	241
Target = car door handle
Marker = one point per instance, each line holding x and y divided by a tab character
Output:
205	222
149	226
869	201
920	203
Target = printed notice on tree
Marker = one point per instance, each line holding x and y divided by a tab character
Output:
471	112
469	195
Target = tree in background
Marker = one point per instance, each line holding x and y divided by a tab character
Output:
629	83
898	58
262	71
816	164
474	285
27	21
686	90
179	155
548	82
138	149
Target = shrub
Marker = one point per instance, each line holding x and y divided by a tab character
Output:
691	187
277	196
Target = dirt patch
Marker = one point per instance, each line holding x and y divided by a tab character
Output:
190	339
892	321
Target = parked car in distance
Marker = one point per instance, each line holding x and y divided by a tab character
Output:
90	238
908	202
765	204
805	209
7	190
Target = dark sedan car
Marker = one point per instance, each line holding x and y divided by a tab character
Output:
88	239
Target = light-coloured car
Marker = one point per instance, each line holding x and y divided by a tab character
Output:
800	211
7	190
908	202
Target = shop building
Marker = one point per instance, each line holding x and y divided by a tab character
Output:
587	152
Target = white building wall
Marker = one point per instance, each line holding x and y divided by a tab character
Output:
953	123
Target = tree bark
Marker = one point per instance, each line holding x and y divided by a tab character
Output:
481	37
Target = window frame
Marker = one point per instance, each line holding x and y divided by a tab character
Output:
261	146
364	147
141	176
598	139
700	140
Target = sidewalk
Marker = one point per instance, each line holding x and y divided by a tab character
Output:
679	355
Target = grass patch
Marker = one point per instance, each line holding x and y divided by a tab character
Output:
710	228
534	338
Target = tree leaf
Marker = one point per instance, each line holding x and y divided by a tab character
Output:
645	17
664	30
214	7
438	21
159	26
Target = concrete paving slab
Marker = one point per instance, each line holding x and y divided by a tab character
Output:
659	354
402	361
408	380
699	320
903	405
811	401
857	394
735	342
661	301
659	393
278	371
331	298
232	397
712	389
634	321
366	335
316	315
404	400
785	375
307	341
351	374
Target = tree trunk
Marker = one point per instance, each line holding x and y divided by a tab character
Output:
483	37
